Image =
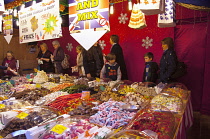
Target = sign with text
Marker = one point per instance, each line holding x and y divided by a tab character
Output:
40	22
2	9
7	26
88	14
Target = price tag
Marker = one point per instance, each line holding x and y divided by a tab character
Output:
38	85
1	137
59	129
97	79
22	115
2	106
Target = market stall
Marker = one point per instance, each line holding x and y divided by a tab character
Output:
79	108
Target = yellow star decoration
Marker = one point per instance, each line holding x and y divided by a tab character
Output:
34	23
50	24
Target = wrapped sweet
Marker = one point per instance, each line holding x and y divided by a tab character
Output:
154	117
135	98
76	128
145	88
41	77
27	119
171	101
5	88
21	80
112	115
81	81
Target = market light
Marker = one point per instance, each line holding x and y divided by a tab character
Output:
22	6
112	8
15	12
129	4
34	2
17	22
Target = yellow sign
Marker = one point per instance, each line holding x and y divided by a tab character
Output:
59	129
97	79
2	106
38	85
22	115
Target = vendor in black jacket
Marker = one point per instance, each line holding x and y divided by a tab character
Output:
168	60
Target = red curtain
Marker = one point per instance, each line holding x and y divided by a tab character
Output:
191	46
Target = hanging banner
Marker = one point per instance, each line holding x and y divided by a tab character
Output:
7	26
88	20
40	22
88	14
2	9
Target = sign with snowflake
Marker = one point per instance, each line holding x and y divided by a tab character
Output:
69	47
147	42
102	44
122	18
40	22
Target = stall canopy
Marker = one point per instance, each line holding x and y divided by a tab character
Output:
205	3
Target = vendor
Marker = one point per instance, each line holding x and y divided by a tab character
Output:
44	60
9	61
57	57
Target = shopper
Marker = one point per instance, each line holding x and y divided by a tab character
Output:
93	61
168	61
57	57
111	69
117	50
151	68
44	60
10	61
79	67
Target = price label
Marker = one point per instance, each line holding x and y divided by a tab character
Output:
2	106
1	137
22	115
38	85
59	129
97	79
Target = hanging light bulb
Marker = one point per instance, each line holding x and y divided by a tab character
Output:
34	2
129	4
15	12
17	22
22	6
112	8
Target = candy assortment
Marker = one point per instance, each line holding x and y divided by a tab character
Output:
50	97
23	87
106	95
31	95
41	77
60	87
49	85
27	119
111	115
172	103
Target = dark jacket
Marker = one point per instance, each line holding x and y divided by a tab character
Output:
117	50
152	74
93	61
46	66
58	58
168	64
11	64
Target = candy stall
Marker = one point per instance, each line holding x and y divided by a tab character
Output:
43	106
